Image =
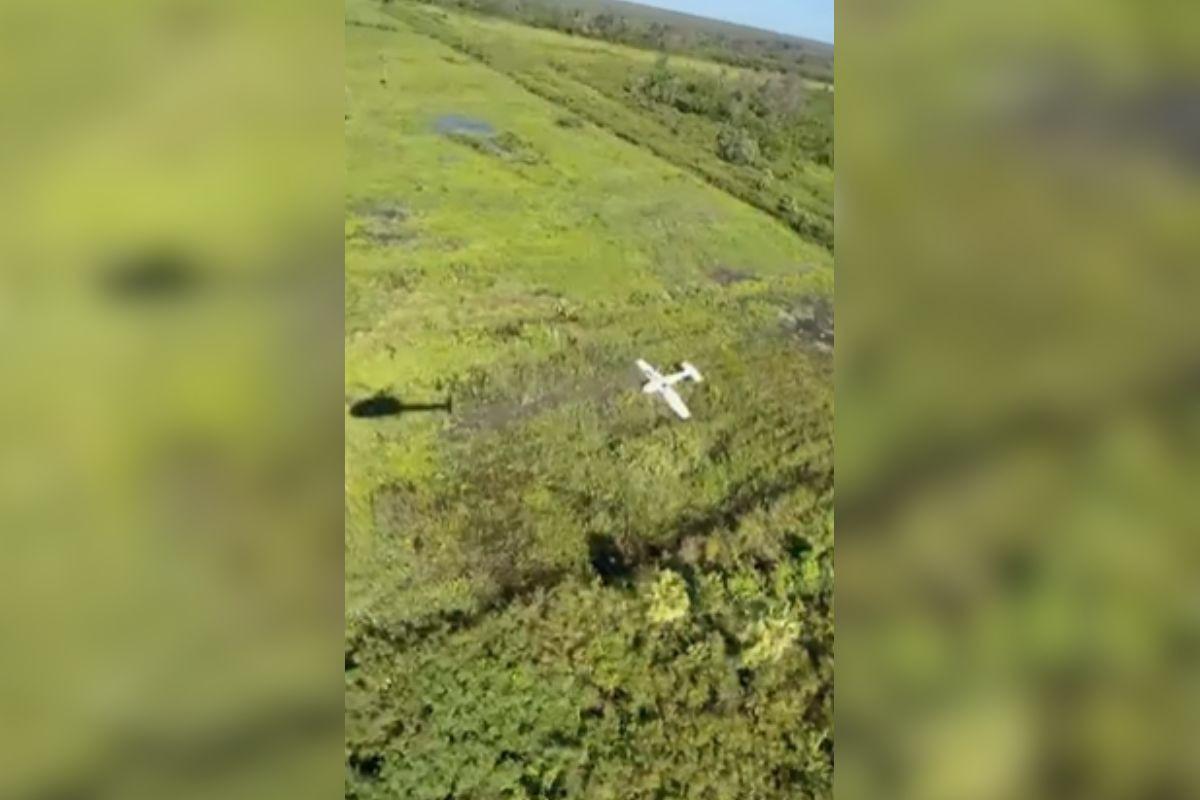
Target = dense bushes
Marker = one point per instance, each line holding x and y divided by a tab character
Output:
769	126
737	146
708	679
778	113
762	145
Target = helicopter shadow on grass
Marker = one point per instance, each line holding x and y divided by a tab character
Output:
383	404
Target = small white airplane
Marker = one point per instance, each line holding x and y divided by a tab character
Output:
657	383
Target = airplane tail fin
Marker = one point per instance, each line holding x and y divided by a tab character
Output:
692	372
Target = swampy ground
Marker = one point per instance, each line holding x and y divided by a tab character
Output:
554	588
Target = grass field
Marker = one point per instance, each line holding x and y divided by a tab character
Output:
509	257
592	79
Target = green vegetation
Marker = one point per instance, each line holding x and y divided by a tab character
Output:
558	589
763	137
667	31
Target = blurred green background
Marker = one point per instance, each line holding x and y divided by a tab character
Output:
170	411
1018	609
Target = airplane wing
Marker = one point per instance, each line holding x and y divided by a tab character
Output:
650	372
676	403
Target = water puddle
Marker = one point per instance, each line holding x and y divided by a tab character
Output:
463	125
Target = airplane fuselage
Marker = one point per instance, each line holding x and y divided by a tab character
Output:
657	383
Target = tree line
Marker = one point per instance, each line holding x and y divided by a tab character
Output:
767	52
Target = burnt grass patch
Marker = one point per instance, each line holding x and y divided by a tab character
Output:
728	276
811	319
383	224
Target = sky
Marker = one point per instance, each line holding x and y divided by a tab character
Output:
812	19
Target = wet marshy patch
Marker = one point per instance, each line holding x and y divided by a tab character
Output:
449	124
506	147
382	404
482	137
